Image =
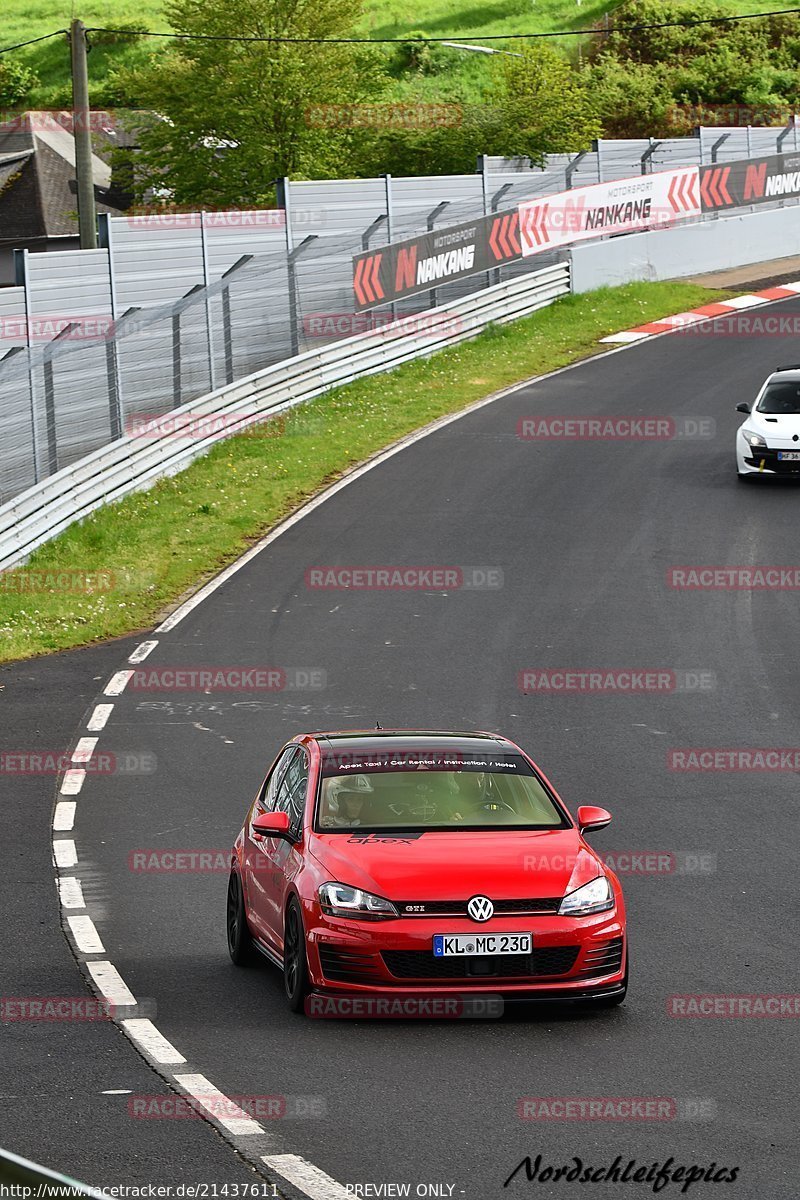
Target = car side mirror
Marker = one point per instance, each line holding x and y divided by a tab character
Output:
591	817
745	408
273	824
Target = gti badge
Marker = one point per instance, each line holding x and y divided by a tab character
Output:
480	908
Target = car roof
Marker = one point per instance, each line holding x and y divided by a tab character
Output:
367	740
790	373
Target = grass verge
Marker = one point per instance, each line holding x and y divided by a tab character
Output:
150	548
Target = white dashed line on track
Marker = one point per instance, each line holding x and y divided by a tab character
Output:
86	937
84	749
72	782
218	1106
141	652
306	1177
153	1043
110	983
64	817
70	892
117	683
97	720
64	853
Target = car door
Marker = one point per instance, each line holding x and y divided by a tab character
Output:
257	862
285	858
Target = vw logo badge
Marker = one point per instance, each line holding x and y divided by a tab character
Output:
480	908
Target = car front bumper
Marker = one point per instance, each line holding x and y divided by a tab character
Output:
572	957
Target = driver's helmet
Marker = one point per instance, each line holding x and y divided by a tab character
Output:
350	785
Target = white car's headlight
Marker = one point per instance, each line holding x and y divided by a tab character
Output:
339	900
755	439
593	897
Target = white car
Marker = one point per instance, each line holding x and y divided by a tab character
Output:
768	442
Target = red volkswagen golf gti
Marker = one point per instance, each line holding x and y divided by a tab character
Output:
389	862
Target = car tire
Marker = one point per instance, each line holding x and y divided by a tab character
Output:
295	962
240	942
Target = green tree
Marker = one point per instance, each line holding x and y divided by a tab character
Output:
237	115
16	81
543	105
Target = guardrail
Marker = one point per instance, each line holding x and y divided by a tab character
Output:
131	463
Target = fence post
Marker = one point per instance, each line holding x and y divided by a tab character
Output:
212	373
716	146
23	277
50	397
227	323
387	183
177	374
432	215
113	373
496	198
572	167
293	256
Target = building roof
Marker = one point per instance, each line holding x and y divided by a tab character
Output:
37	165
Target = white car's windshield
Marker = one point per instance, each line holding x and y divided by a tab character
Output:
781	398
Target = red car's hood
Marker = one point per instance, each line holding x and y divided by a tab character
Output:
455	866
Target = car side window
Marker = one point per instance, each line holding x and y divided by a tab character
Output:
269	790
292	790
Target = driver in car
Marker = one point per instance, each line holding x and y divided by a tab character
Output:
347	803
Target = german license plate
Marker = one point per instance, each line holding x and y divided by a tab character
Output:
463	945
789	455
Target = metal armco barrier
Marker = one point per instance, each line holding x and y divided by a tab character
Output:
132	463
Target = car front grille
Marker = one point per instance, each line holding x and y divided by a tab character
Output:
605	959
769	457
347	966
422	964
458	908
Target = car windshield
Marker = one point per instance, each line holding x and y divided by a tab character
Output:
421	790
781	399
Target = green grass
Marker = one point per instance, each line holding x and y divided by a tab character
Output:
157	545
23	19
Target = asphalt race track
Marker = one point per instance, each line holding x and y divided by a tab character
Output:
584	533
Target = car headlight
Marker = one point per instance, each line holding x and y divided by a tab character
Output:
593	897
339	900
756	440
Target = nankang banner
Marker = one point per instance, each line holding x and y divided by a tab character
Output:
622	206
403	268
749	181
